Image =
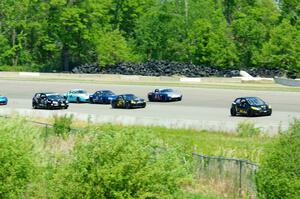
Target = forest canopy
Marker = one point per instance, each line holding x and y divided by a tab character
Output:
60	34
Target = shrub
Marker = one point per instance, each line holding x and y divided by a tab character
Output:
247	129
123	164
62	125
279	173
16	158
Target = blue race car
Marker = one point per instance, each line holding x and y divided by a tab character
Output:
3	100
164	95
102	97
77	95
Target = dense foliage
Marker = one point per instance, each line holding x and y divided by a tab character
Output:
16	159
51	34
123	164
279	175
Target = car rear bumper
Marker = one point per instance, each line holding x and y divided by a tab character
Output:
3	102
175	98
139	105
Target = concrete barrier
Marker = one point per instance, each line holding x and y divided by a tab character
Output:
136	78
287	82
27	74
190	80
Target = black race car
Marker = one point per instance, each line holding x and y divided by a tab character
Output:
49	101
250	106
128	101
164	95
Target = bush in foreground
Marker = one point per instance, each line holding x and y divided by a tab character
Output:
123	164
279	174
16	158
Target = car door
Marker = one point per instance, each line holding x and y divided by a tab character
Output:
120	101
99	96
43	100
36	99
243	107
156	94
71	96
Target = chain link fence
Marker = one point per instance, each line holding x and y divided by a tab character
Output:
236	175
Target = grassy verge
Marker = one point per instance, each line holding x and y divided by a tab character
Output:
68	162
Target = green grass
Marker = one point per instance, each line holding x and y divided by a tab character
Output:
206	142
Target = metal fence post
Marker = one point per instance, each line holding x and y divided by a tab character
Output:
240	180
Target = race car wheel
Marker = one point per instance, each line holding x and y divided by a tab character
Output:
113	105
233	112
66	107
92	100
77	100
250	113
127	105
150	98
34	106
270	113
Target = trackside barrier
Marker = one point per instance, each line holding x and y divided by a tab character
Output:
287	82
237	175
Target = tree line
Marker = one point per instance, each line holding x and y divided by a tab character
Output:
61	34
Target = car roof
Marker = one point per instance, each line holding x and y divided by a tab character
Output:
104	90
77	89
52	93
126	94
247	97
160	89
47	93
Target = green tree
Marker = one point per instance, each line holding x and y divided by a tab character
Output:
282	49
124	164
278	175
16	159
113	48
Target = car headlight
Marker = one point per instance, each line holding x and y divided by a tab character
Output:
133	102
255	108
270	106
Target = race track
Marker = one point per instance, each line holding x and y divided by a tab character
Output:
200	108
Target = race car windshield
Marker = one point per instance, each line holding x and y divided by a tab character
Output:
130	97
54	97
81	92
167	90
255	101
108	93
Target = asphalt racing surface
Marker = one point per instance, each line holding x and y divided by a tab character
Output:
201	108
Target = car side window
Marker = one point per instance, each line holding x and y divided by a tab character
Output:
238	101
119	98
37	96
156	90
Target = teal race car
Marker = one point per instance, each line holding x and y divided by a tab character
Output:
77	96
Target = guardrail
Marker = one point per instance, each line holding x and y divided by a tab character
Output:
238	175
